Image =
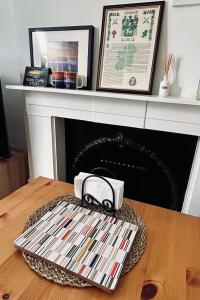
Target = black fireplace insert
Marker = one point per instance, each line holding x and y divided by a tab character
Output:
155	166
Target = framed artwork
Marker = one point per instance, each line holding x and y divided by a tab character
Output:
64	49
185	2
128	48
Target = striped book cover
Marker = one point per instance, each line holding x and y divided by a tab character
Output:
85	243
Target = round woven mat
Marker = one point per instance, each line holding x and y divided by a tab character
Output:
44	269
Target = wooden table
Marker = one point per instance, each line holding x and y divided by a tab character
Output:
169	268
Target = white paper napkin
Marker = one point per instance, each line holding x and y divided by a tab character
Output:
99	189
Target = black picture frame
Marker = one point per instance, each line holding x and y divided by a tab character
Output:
114	18
83	35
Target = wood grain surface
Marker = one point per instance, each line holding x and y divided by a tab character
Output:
13	173
169	268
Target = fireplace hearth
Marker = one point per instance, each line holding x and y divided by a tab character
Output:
155	166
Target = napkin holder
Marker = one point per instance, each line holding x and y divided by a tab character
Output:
107	205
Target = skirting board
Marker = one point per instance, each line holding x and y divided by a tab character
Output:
185	2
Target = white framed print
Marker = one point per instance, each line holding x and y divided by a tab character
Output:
68	48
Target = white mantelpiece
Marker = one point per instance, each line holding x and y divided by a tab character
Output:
45	106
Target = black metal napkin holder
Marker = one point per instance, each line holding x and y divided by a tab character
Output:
107	205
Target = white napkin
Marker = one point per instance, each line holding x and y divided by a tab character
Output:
99	189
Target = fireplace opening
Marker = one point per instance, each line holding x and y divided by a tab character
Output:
154	165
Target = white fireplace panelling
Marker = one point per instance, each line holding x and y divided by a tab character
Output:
173	118
151	112
41	142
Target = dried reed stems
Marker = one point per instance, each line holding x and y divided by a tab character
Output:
167	64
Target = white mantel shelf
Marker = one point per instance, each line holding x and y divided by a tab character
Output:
46	109
126	96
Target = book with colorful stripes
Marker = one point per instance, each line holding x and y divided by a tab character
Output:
85	243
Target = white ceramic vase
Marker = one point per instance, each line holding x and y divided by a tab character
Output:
164	87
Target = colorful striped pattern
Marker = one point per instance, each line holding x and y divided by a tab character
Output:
88	244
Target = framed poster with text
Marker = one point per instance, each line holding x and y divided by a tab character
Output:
128	48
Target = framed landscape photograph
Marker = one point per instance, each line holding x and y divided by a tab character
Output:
36	76
64	49
128	48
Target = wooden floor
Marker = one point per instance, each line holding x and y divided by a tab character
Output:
13	173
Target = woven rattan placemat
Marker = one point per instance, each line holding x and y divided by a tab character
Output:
44	269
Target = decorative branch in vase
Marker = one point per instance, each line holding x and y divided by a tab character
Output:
164	85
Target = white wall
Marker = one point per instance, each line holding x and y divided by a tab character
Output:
9	73
180	35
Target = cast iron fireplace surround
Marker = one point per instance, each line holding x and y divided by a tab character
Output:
154	165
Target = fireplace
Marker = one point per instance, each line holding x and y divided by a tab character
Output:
155	166
47	109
